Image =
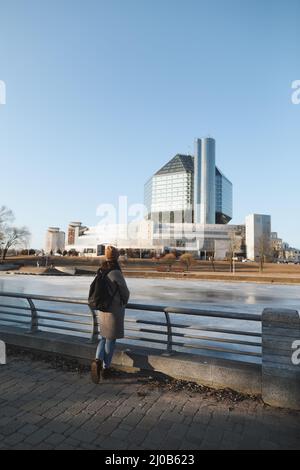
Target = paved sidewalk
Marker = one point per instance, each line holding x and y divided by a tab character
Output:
46	408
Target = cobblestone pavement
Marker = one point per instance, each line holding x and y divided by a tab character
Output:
46	408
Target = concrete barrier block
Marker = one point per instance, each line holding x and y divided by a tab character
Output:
280	367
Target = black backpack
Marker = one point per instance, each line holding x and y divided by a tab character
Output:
100	297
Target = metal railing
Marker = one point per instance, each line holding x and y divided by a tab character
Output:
171	334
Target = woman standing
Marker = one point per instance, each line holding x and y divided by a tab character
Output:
111	322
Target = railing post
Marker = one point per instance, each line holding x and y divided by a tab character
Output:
169	332
95	330
34	325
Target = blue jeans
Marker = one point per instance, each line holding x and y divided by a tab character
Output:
105	351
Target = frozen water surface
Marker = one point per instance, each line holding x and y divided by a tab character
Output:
233	296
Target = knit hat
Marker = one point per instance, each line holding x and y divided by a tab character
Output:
111	253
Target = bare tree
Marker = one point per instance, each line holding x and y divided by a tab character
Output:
13	236
5	215
263	248
235	244
212	261
10	236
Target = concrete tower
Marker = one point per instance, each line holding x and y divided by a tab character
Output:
197	182
208	181
205	181
55	240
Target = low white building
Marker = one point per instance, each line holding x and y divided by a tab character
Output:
204	240
292	254
147	235
90	240
276	242
55	240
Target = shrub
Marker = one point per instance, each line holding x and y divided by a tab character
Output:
187	259
169	260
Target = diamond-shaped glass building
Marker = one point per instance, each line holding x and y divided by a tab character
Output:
190	189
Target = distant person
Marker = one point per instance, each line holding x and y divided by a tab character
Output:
110	289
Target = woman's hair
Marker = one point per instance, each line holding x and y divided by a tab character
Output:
110	265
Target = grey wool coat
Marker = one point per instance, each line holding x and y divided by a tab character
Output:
112	323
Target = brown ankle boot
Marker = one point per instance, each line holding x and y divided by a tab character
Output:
96	367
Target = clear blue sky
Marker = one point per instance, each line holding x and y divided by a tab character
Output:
100	94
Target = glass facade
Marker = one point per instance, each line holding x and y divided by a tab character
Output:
148	195
223	198
169	194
